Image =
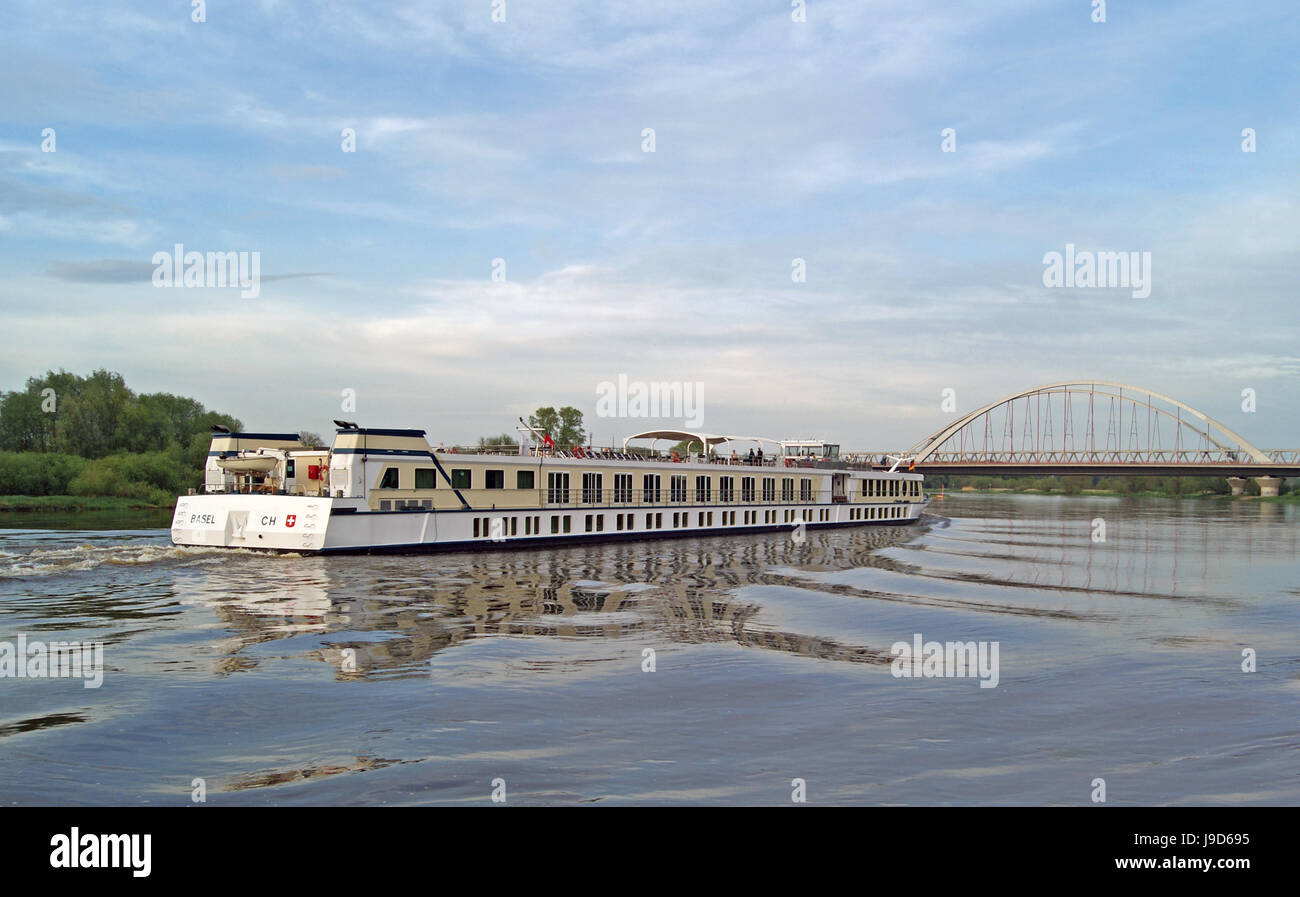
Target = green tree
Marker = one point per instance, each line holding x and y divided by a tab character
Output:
24	427
571	430
546	420
498	441
565	425
144	428
181	413
90	420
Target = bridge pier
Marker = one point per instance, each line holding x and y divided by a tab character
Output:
1238	485
1268	486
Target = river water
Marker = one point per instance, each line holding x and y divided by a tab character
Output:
752	669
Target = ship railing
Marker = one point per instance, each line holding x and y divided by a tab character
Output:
607	454
261	489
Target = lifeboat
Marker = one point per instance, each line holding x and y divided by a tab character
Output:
248	463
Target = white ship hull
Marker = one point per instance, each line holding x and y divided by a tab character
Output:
312	524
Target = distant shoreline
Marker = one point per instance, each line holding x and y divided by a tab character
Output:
1108	493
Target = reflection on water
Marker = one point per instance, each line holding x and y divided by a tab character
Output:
424	605
411	679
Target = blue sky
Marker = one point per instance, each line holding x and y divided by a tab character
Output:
775	140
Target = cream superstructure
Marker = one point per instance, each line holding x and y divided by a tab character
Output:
389	490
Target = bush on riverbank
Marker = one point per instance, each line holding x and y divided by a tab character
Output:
152	477
157	476
38	473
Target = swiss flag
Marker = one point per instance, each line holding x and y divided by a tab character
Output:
290	520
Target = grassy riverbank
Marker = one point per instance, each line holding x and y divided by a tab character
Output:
22	504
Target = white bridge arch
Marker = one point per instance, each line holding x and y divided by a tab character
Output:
1158	429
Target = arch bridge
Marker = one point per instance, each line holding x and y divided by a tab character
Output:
1096	427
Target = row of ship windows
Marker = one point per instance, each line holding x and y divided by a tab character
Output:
557	486
502	527
877	513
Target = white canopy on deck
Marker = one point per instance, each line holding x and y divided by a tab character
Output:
708	440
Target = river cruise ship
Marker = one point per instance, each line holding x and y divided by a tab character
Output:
388	490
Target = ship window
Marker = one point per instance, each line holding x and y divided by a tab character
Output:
650	488
746	488
568	523
726	489
495	479
425	478
557	488
787	489
622	487
461	479
555	524
524	479
389	479
769	488
703	489
805	489
677	490
592	487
